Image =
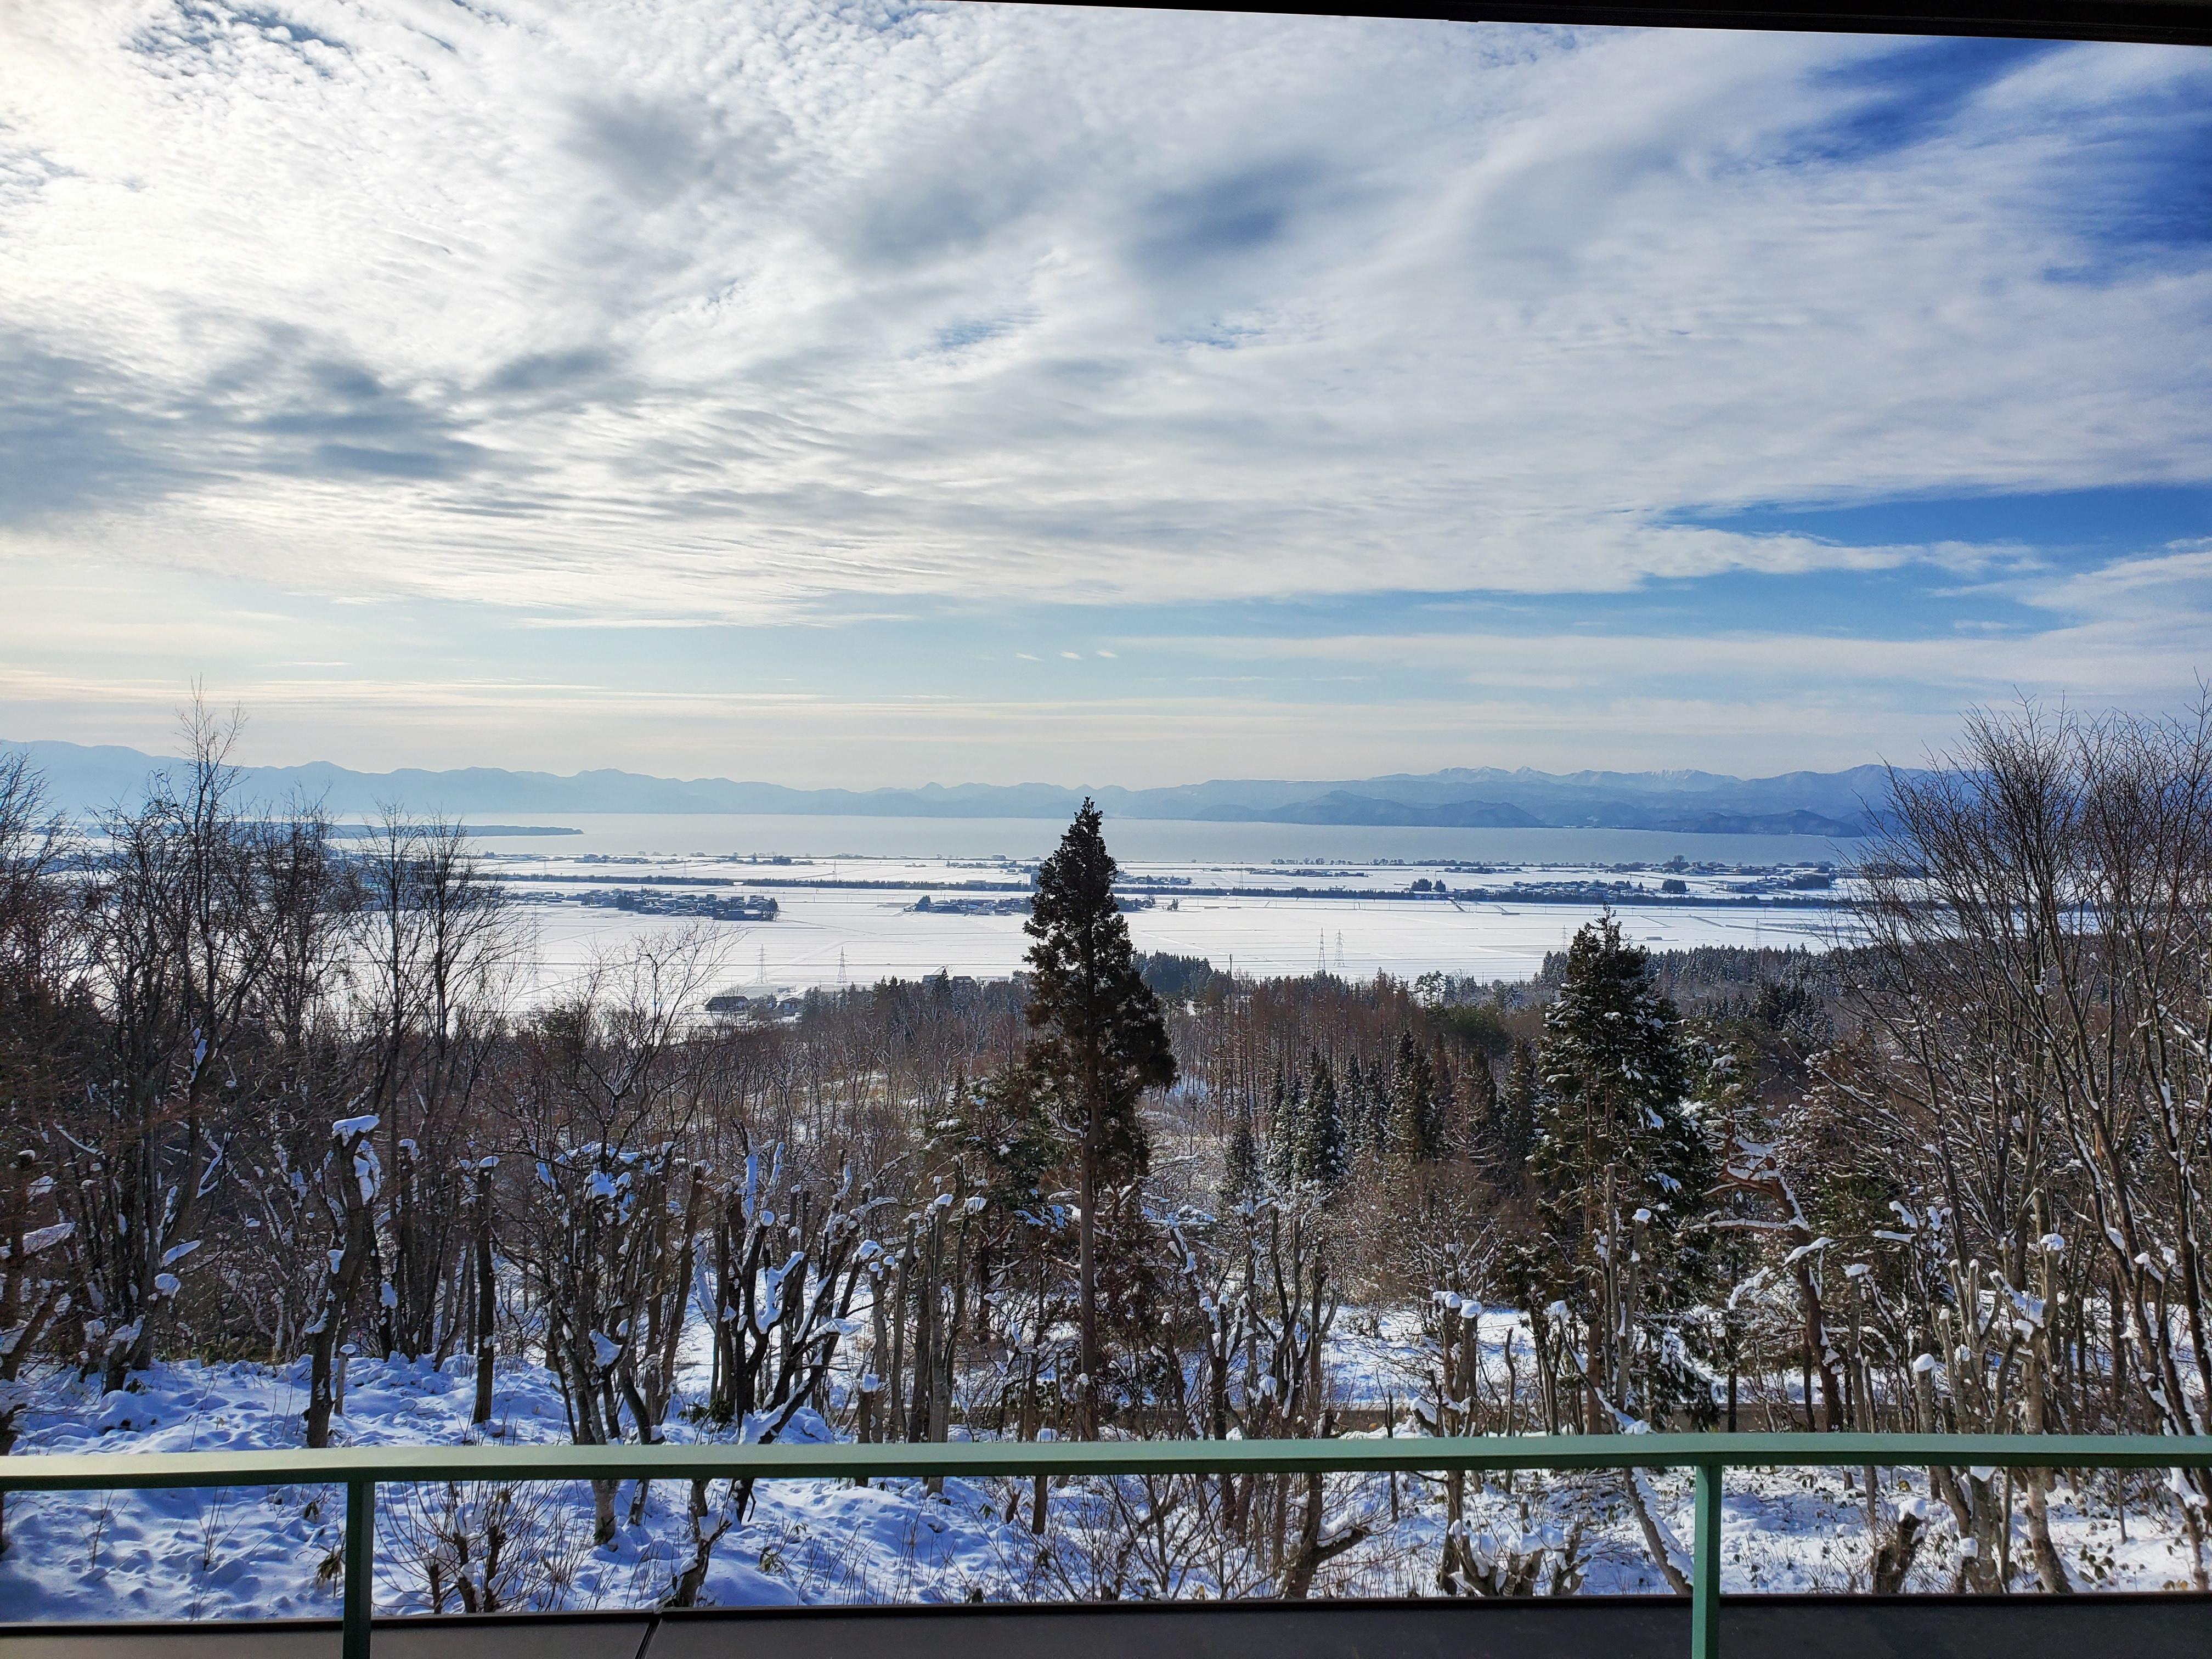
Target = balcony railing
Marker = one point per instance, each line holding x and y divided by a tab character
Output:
362	1469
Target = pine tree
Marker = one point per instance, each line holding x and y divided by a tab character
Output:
1481	1129
1374	1109
1360	1112
999	1135
1622	1168
1287	1107
1318	1153
1444	1085
1240	1177
1516	1117
1412	1135
1101	1040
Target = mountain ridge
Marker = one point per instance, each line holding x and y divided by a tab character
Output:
89	777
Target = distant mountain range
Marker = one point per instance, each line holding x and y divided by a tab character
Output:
1834	803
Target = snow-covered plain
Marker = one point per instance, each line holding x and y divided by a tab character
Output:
827	938
848	919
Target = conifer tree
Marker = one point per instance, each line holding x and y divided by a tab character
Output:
1240	1178
1481	1129
1000	1136
1286	1107
1444	1085
1621	1166
1101	1040
1318	1153
1413	1136
1354	1111
1377	1128
1516	1117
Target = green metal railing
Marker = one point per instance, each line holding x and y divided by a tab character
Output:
362	1469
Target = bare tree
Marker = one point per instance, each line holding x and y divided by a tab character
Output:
436	941
41	1028
489	1547
2039	1005
604	1225
188	916
347	1185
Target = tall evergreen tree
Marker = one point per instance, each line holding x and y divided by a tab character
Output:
1285	1109
1413	1135
1622	1168
1361	1112
1375	1109
1479	1131
1319	1155
1516	1117
1443	1084
1239	1176
1000	1136
1101	1039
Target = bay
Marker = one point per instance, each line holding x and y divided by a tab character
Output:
1162	841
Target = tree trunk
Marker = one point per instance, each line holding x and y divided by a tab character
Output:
1087	1272
486	1301
323	1386
1311	1553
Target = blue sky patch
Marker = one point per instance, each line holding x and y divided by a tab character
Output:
2117	518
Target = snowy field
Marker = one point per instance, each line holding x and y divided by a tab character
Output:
830	938
856	920
274	1553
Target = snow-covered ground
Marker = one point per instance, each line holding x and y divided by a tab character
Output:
830	938
845	920
274	1553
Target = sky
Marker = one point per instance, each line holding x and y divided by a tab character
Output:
862	394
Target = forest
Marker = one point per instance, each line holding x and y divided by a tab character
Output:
273	1099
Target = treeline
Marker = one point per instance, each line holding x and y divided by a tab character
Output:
270	1097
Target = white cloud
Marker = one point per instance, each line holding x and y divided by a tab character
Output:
696	312
581	330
